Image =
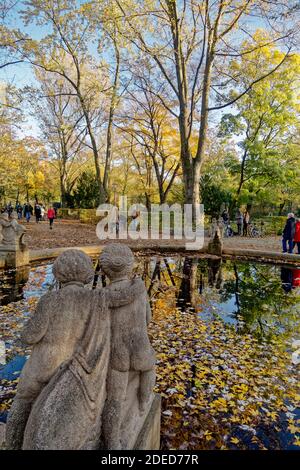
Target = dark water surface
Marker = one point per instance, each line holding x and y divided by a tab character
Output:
256	299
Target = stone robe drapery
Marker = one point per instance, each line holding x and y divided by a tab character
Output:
67	413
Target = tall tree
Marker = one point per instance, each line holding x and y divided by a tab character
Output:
196	39
62	126
7	39
153	138
65	52
267	119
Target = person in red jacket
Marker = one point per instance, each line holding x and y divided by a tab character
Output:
297	235
51	216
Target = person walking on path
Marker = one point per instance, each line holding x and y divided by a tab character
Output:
42	212
27	211
225	216
239	221
19	210
37	212
246	223
9	209
289	233
297	235
51	216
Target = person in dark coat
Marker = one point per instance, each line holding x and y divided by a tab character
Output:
19	210
225	216
289	233
9	209
27	211
37	212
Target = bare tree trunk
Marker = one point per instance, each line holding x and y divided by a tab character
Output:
202	139
109	137
281	206
63	172
63	191
242	175
94	148
185	153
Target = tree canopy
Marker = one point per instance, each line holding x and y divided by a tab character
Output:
207	109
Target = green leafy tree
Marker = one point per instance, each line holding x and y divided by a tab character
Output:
86	194
267	121
265	304
189	60
213	196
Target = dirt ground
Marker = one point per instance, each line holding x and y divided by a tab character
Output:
67	233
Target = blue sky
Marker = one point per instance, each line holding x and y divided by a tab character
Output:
22	74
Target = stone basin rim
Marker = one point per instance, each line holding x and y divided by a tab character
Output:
227	253
47	253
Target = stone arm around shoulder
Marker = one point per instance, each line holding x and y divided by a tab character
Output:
18	228
36	327
120	296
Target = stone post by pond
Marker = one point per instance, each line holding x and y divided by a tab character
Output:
215	244
13	251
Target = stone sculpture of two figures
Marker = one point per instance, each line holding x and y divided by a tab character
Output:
88	383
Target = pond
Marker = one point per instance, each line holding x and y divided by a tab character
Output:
224	333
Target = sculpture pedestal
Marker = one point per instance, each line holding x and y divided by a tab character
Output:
13	257
2	436
149	436
140	431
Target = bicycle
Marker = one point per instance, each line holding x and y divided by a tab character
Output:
228	232
253	231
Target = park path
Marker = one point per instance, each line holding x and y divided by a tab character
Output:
67	233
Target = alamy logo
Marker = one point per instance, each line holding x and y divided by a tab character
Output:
161	222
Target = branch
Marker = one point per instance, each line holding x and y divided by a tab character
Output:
235	20
251	85
10	63
146	48
260	46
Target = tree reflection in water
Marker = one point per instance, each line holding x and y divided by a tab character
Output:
222	331
12	283
260	299
266	305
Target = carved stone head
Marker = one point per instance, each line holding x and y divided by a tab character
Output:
73	266
4	216
117	261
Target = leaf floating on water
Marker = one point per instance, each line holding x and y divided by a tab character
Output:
231	387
